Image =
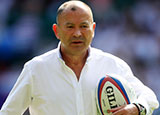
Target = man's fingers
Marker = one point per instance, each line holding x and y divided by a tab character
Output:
116	109
130	109
120	112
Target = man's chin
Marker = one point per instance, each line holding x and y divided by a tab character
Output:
78	50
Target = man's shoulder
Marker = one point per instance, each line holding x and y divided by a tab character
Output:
46	57
102	54
105	56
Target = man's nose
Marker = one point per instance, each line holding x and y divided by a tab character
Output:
77	33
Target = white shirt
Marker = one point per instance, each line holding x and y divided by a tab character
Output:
49	87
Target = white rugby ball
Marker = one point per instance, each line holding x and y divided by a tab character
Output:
113	91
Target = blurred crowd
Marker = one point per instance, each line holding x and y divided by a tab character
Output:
129	29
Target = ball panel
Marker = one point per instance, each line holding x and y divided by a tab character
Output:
99	94
119	85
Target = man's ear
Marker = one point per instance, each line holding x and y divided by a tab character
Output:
55	29
94	26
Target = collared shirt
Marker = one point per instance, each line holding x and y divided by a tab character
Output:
49	87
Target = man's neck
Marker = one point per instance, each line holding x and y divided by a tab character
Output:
75	59
75	62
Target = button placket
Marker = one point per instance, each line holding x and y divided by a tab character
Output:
77	87
79	100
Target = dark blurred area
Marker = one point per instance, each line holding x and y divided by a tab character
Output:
129	29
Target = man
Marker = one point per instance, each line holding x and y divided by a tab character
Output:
63	81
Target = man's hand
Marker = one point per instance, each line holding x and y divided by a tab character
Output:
129	109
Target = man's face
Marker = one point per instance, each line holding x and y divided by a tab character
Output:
75	30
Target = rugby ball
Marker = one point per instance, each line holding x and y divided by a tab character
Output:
113	91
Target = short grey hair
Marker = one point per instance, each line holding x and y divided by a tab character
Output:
64	7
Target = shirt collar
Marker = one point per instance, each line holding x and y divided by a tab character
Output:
59	52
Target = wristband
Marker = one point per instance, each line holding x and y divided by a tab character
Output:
141	109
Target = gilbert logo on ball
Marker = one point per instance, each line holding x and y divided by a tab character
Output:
113	91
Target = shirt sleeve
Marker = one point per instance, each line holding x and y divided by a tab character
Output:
145	96
20	96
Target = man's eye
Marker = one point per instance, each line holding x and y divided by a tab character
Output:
69	26
84	26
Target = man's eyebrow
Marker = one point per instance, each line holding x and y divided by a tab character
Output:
87	23
69	23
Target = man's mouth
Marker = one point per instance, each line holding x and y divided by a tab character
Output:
77	42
